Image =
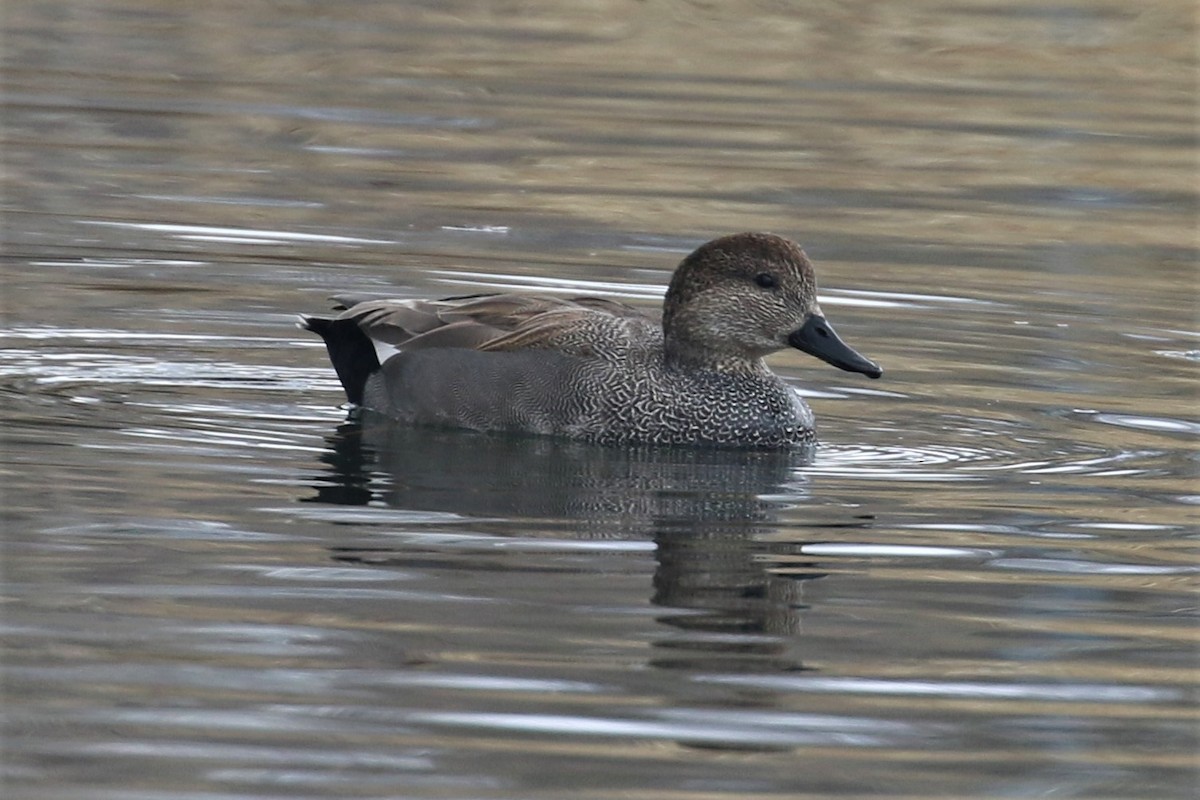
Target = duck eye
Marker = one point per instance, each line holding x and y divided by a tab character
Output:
766	280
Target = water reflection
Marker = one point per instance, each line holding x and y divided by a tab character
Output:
704	511
611	491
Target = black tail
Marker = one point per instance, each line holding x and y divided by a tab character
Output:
350	350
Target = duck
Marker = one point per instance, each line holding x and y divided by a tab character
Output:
597	370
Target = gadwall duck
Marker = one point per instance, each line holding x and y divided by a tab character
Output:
598	370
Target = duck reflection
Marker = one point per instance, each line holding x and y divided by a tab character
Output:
705	510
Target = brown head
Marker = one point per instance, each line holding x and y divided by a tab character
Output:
741	297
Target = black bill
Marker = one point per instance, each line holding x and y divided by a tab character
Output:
817	338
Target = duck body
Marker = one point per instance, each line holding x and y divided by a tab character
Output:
638	400
596	370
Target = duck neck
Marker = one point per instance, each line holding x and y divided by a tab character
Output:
689	344
679	355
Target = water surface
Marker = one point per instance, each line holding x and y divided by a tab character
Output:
980	584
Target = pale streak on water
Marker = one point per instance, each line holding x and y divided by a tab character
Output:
982	584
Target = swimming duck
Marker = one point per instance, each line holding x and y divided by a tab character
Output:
597	370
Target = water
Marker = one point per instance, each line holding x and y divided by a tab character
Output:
981	584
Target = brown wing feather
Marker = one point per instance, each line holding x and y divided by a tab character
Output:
581	326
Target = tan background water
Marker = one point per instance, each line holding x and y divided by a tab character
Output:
982	584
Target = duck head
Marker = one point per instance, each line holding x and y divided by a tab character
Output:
741	297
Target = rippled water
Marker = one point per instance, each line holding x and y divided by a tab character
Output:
980	584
